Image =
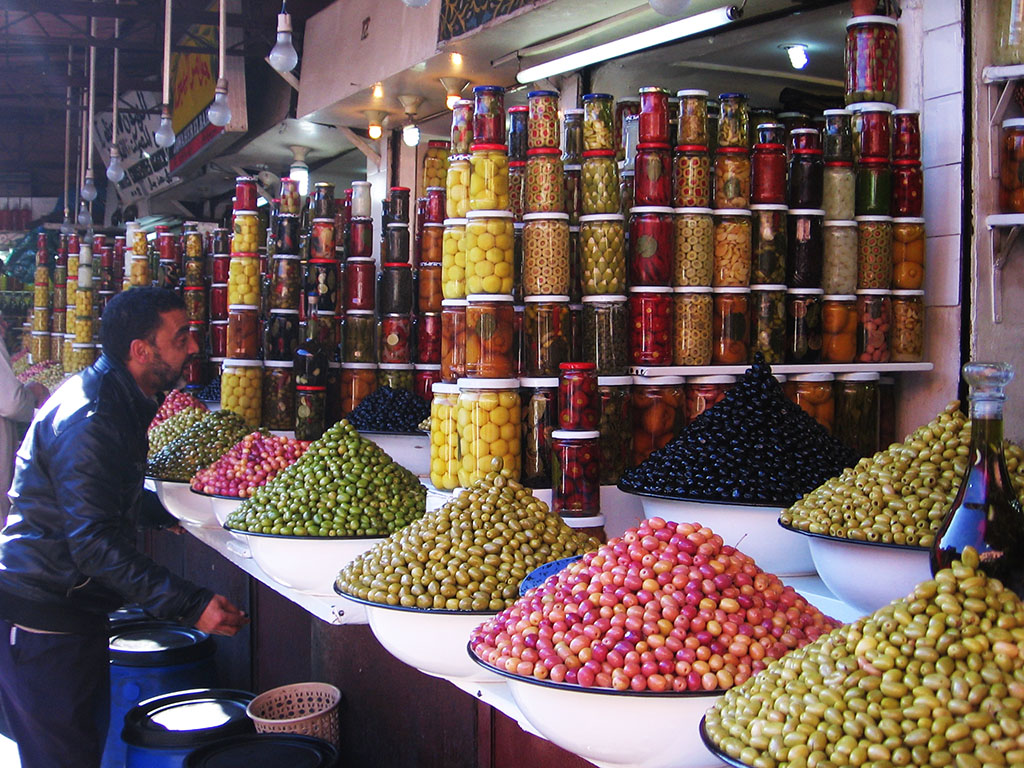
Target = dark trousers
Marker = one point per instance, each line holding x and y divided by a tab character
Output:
55	692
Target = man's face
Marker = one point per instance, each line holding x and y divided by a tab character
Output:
172	346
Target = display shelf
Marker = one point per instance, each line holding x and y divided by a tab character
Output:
782	368
1002	73
1005	229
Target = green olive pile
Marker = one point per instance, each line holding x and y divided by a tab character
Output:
934	679
468	555
198	446
343	485
173	427
899	495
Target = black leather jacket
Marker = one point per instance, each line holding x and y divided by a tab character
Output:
67	555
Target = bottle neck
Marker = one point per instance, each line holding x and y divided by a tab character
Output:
312	331
986	424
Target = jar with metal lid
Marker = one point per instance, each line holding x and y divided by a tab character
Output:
545	187
803	325
396	288
396	376
654	116
395	338
457	184
874	316
733	120
490	337
598	129
704	392
360	277
572	177
517	187
539	398
730	326
874	251
278	395
769	244
806	178
575	473
1011	166
488	183
462	127
874	190
770	133
652	184
245	238
359	336
857	411
732	177
453	259
543	119
241	389
837	136
872	59
600	188
281	334
577	396
453	339
691	177
806	243
546	334
693	108
768	174
813	393
431	244
651	241
605	323
435	210
490	253
732	247
603	254
839	268
839	320
906	135
908	244
546	254
489	114
658	413
692	326
615	427
445	458
694	256
768	321
490	428
839	196
428	287
424	377
872	130
243	332
518	128
428	338
907	188
906	340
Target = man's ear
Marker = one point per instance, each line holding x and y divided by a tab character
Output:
138	350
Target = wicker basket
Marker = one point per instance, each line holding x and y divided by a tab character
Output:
310	709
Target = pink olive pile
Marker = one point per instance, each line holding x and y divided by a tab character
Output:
176	401
252	462
664	608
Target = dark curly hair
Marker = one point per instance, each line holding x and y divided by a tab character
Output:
134	314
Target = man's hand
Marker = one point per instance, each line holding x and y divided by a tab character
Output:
39	392
220	617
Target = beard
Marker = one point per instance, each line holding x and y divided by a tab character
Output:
164	375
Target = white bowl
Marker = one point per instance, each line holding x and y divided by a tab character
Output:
868	575
754	530
409	449
221	506
307	564
183	504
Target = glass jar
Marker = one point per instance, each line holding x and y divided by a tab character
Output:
278	395
887	397
874	252
321	240
453	339
837	137
82	355
280	334
603	254
598	127
488	183
906	340
395	339
1011	159
221	269
658	413
245	193
907	189
873	188
768	244
692	326
654	116
219	338
456	184
195	273
244	280
396	376
575	473
625	109
245	237
874	315
693	108
462	127
872	59
241	389
730	326
768	321
428	338
396	288
694	256
857	411
906	135
803	325
605	324
543	119
704	392
908	244
651	325
615	427
770	132
572	177
195	304
626	185
600	186
428	287
544	192
425	376
732	177
397	245
651	241
518	129
39	349
872	130
243	332
539	397
652	184
490	337
546	254
577	396
358	380
445	458
359	336
839	196
806	178
517	188
839	328
453	259
431	244
490	427
489	114
806	242
691	177
813	393
322	281
490	252
733	120
839	268
546	335
768	174
732	247
360	239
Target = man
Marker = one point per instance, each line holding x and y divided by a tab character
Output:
67	556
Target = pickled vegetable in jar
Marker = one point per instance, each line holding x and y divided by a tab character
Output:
453	259
1011	166
428	287
245	238
839	269
908	244
873	188
839	196
396	376
605	328
575	473
359	336
490	337
539	398
572	176
453	339
244	281
545	186
431	244
658	413
444	437
907	189
704	392
872	130
360	281
241	389
692	326
654	116
488	114
732	177
218	338
651	325
874	252
906	135
462	127
733	121
598	129
603	254
874	311
322	281
872	59
572	136
517	188
857	411
803	325
691	176
195	304
457	186
243	332
358	380
805	234
428	338
806	178
396	288
600	182
768	174
652	184
543	119
906	339
395	339
425	376
651	239
577	396
693	107
813	393
837	137
546	335
694	258
490	428
277	392
490	255
615	427
280	334
732	247
839	328
518	130
730	326
546	254
626	185
768	321
768	244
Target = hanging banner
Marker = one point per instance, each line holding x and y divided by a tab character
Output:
147	166
461	16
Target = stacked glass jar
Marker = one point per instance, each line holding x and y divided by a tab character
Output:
58	304
84	351
40	345
429	294
193	249
220	245
359	302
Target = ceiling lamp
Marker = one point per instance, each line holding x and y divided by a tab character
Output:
797	55
164	136
283	56
219	112
378	90
670	7
88	192
299	171
411	132
453	88
115	170
375	118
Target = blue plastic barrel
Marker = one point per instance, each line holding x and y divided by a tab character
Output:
149	658
266	750
161	732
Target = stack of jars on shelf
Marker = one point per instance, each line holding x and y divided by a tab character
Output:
84	350
395	353
59	303
196	306
427	315
358	377
220	269
39	344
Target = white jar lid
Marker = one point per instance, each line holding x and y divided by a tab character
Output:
692	289
871	106
859	219
767	287
604	298
614	381
278	363
715	379
831	112
651	289
360	260
359	366
1013	122
539	382
488	384
807	291
394	366
427	366
454	223
480	298
285	257
212	285
573	434
230	362
840	223
590	217
812	377
360	312
874	292
658	380
442	388
650	209
691	92
595	521
558	299
859	376
692	211
911	219
242	308
841	297
282	312
452	303
490	215
553	216
806	212
769	207
857	21
908	292
731	289
731	212
392	225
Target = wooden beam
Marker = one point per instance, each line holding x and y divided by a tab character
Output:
104	11
21	44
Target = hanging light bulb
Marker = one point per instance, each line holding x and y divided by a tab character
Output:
411	135
453	87
299	171
670	7
66	227
797	55
283	56
84	217
115	169
220	112
375	121
164	135
88	191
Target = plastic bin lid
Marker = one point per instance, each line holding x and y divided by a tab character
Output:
265	750
150	643
188	719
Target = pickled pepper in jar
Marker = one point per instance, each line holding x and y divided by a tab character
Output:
546	335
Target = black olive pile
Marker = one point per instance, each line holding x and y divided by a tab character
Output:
210	393
754	447
390	410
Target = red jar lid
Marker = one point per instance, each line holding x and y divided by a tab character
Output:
398	264
305	388
907	163
691	148
838	164
599	153
577	366
437	144
807	151
481	147
542	151
323	261
194	288
400	189
516	163
766	147
652	145
731	150
874	161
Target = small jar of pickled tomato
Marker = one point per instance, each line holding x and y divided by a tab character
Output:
576	473
658	413
428	338
730	326
395	339
704	392
360	281
872	130
652	184
768	174
651	325
579	407
424	377
907	188
652	246
654	116
489	114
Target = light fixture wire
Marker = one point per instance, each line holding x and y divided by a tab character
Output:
117	57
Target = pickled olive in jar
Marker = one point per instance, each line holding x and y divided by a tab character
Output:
813	393
768	174
428	339
730	326
600	182
605	327
575	473
278	401
396	376
872	59
456	187
540	418
543	119
874	252
838	198
908	243
768	244
396	288
453	340
704	392
691	177
873	188
359	336
603	254
490	337
281	334
244	281
839	328
651	243
806	178
733	121
874	315
693	262
462	127
243	332
431	244
839	269
907	189
732	178
652	184
241	389
654	116
546	334
658	413
517	188
651	326
616	426
857	411
768	321
693	108
358	380
906	340
545	186
598	132
803	325
322	281
805	235
490	427
573	192
360	277
395	339
195	304
453	259
732	247
444	437
245	237
490	252
692	326
546	254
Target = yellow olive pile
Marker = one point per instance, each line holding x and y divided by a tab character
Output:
934	679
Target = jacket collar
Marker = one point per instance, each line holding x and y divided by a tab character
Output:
144	408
